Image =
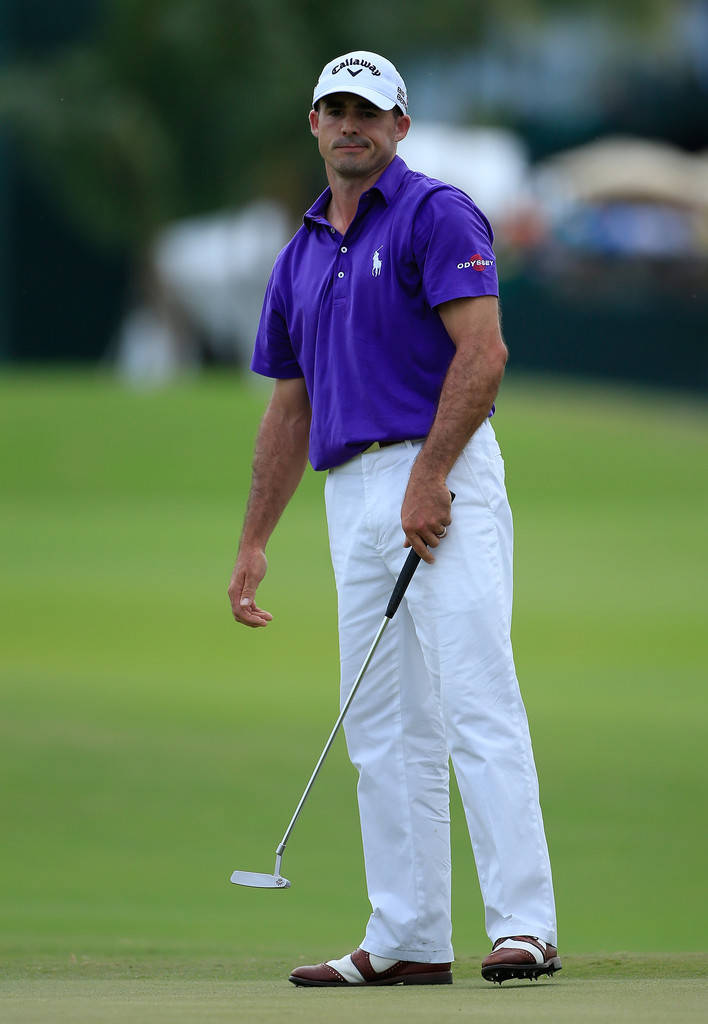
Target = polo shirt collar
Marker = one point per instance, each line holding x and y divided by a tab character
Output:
390	181
386	185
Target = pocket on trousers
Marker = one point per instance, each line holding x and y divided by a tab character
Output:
488	474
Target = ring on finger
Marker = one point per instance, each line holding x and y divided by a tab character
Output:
442	533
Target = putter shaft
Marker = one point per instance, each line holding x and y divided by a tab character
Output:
332	735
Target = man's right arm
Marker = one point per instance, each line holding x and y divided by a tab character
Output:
278	464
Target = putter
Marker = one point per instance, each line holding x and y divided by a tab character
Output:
255	879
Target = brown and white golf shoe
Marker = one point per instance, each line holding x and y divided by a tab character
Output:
362	968
520	956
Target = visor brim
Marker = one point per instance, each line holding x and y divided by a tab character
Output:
377	98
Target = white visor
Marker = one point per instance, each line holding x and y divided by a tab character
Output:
367	75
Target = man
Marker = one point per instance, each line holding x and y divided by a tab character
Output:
380	326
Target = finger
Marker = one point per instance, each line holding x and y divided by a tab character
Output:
249	614
243	605
243	592
252	608
252	623
247	597
433	536
418	544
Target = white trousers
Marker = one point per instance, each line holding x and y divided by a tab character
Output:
441	686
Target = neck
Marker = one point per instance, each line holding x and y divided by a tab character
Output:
346	193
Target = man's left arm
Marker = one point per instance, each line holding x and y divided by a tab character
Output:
467	395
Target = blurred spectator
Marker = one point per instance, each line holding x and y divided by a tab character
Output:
210	274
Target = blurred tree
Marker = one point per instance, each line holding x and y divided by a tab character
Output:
159	114
172	108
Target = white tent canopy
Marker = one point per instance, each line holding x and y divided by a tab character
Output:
623	167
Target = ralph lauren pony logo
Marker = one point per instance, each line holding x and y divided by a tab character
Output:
376	264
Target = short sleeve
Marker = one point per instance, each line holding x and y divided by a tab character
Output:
452	244
273	354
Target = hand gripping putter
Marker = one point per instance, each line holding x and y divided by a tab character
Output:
276	881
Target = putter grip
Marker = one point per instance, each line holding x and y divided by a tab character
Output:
404	577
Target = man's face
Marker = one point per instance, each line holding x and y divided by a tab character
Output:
355	138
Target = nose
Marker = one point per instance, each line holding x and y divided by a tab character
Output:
349	125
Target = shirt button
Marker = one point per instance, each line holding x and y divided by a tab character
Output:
332	230
340	274
343	249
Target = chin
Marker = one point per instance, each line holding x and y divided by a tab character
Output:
355	166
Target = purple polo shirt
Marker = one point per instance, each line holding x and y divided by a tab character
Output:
355	314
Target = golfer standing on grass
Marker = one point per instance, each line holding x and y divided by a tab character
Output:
380	326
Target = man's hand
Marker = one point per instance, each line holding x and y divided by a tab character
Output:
425	514
248	572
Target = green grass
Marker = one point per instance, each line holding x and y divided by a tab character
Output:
148	746
682	1002
145	966
183	996
622	987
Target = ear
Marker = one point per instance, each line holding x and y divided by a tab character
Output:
314	123
403	123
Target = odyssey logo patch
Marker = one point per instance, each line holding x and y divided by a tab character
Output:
476	262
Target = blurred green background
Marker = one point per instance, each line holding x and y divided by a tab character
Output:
148	746
129	128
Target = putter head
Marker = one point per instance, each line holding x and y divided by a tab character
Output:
258	881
